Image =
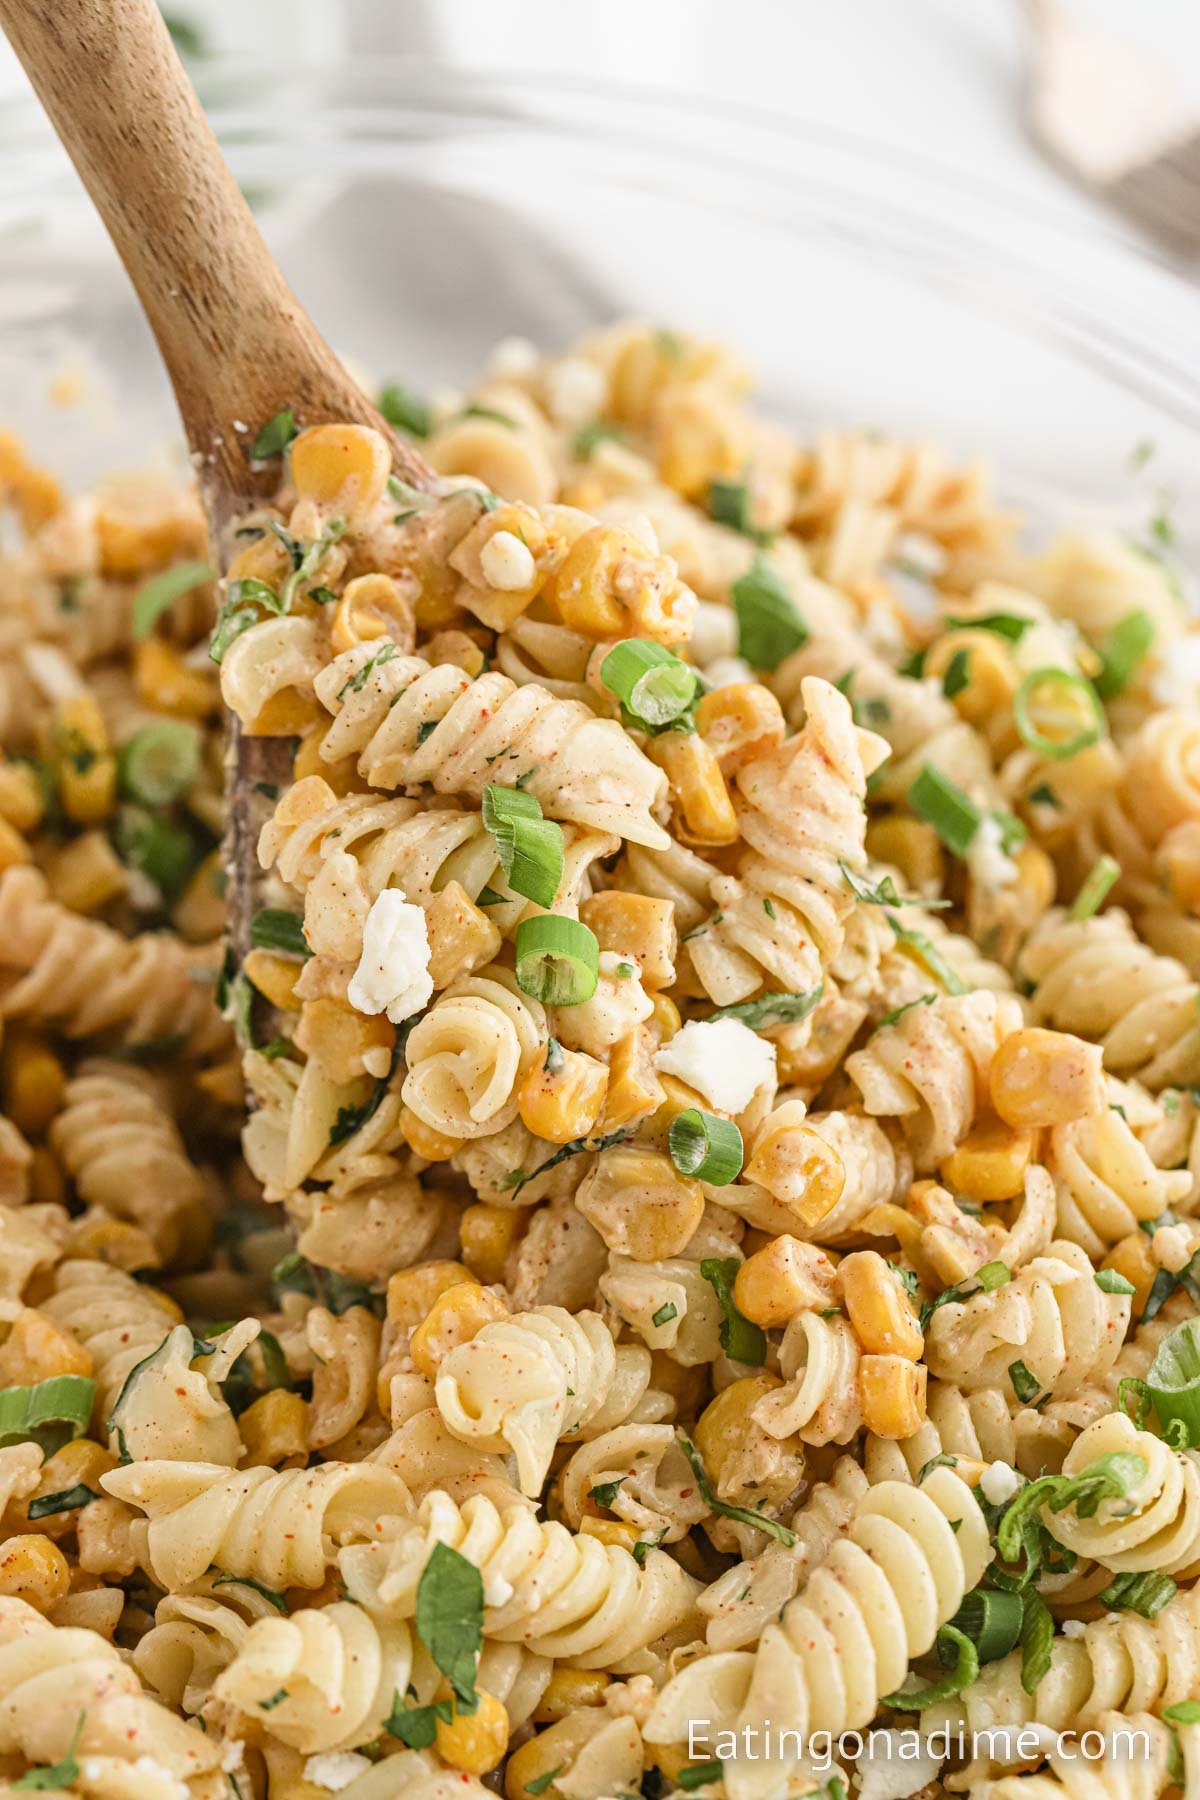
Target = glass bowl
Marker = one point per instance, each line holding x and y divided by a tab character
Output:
422	214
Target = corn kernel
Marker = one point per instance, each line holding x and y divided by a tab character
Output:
166	683
562	1102
223	1082
782	1279
339	1038
879	1309
33	1081
456	649
199	913
1036	878
275	977
372	607
424	1141
990	673
912	847
341	466
797	1168
634	1089
665	1021
86	874
568	1689
1178	862
892	1221
22	801
722	1427
740	722
474	1742
78	1464
13	848
538	1760
990	1163
610	1531
461	936
1134	1258
456	1316
635	925
288	713
411	1293
698	788
340	777
86	767
274	1428
892	1393
36	1348
34	1570
1042	1077
487	1235
640	1204
116	1242
610	586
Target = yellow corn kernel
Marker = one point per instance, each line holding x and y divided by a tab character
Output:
1134	1258
561	1096
740	722
698	788
36	1348
782	1279
1178	861
114	1241
341	777
455	1317
892	1393
34	1570
640	1204
165	682
665	1021
456	649
13	848
892	1221
461	936
372	607
698	438
289	713
1042	1077
990	673
610	585
87	873
568	1689
634	1089
342	466
411	1293
635	925
274	1428
610	1531
22	800
79	1463
487	1235
47	1183
1036	878
879	1309
990	1163
424	1141
474	1742
722	1427
86	767
538	1760
275	977
798	1168
199	913
346	1043
32	1079
910	846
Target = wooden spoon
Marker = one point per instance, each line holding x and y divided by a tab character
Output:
237	345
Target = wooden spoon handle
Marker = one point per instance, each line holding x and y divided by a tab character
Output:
236	342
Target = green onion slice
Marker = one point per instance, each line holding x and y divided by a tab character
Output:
992	1621
1128	644
1058	713
557	960
705	1146
653	686
62	1400
162	852
530	847
769	623
964	1672
1094	892
161	591
160	762
1173	1378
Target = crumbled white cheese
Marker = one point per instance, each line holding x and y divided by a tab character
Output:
393	972
513	356
893	1766
714	633
1073	1628
507	563
336	1769
725	671
722	1059
576	390
233	1755
1176	681
1171	1248
497	1591
987	862
998	1483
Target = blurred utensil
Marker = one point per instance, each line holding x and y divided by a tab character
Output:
1117	119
